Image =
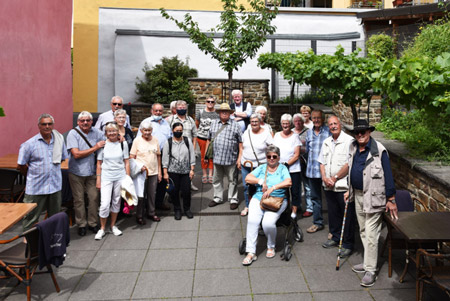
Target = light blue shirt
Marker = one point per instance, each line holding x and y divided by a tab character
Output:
161	130
281	174
86	166
43	176
313	145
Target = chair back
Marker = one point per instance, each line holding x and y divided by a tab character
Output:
32	237
7	179
404	200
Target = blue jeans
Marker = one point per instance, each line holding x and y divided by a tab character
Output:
316	197
245	171
296	189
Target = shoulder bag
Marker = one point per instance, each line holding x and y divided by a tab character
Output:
250	138
272	203
209	154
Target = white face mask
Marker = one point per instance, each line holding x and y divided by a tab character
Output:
157	118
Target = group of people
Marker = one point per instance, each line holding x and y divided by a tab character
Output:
305	157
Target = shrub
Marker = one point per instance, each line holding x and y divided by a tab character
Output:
166	82
380	47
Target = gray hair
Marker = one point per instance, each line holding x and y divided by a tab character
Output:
334	116
261	108
235	92
120	112
173	104
157	104
255	115
298	115
84	114
116	97
111	125
181	103
272	149
286	117
146	125
46	116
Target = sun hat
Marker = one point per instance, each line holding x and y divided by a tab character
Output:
224	107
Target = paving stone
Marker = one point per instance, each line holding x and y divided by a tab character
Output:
263	280
185	224
230	222
360	295
221	282
283	297
170	259
215	239
174	240
84	243
325	278
105	286
316	255
76	262
136	240
212	258
225	298
118	260
164	284
396	294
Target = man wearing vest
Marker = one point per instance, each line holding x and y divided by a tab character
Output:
242	110
333	159
372	188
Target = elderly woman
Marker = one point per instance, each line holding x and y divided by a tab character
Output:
112	167
271	179
120	117
301	131
289	143
146	151
178	163
254	141
262	111
203	122
306	112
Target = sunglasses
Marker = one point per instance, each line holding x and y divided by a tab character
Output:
360	132
117	104
272	157
85	120
208	101
47	124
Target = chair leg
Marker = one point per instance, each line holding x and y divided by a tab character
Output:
389	260
50	270
28	282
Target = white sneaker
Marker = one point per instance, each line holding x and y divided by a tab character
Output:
116	231
193	187
100	234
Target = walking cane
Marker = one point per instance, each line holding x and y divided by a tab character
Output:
342	235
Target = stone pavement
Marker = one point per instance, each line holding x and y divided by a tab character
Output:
198	259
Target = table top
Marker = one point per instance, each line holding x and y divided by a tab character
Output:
422	226
11	213
10	161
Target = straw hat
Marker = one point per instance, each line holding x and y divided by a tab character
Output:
224	107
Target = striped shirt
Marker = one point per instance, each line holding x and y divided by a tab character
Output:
226	144
313	145
43	176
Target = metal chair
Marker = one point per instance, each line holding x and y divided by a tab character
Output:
437	275
9	190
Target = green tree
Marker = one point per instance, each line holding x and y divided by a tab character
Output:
380	46
166	82
244	32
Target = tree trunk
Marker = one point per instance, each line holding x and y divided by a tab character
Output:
291	107
354	113
230	88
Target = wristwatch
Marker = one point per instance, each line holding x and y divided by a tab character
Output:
392	201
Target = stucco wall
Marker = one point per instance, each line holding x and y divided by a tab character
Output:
35	69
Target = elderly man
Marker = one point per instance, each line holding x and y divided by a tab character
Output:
162	131
108	116
227	145
314	141
173	109
242	110
189	127
372	188
333	159
82	143
40	160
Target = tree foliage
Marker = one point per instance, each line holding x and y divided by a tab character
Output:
380	47
166	82
244	32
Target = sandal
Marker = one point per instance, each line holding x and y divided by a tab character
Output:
244	211
210	179
314	228
204	179
248	260
270	253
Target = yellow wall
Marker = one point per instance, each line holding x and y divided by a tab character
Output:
85	41
341	3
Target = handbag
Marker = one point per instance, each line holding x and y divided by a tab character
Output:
272	203
209	154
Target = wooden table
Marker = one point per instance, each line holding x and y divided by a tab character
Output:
421	227
10	161
11	213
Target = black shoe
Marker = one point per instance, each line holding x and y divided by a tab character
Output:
177	215
82	231
94	229
213	204
233	206
140	221
329	244
188	213
346	252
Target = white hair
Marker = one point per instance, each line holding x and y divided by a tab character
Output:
257	116
146	125
261	108
286	117
298	115
116	97
235	92
84	114
181	103
120	112
45	116
173	104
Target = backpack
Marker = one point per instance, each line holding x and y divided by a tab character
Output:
186	142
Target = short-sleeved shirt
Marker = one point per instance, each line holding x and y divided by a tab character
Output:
287	148
86	166
259	142
161	130
313	145
43	176
281	174
147	153
205	118
226	144
106	117
189	128
113	167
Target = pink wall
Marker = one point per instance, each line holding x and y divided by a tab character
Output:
35	70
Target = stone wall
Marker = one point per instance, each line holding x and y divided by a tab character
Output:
345	112
256	91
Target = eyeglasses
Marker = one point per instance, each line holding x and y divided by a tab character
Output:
47	124
117	104
273	157
360	132
85	120
121	117
210	101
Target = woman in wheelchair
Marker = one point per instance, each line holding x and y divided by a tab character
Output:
271	179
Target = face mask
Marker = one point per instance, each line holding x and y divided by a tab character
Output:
157	118
177	134
181	112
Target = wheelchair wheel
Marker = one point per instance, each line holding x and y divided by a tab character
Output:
287	252
242	246
298	234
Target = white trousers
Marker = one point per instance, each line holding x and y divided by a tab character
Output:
110	198
369	230
269	220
